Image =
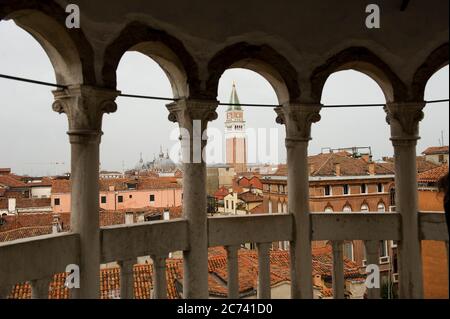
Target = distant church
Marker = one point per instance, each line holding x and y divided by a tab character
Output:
236	142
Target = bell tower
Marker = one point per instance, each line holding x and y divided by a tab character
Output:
236	143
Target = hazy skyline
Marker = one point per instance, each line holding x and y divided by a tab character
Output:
34	137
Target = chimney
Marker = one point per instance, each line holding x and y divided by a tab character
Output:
366	157
337	169
371	168
11	205
56	224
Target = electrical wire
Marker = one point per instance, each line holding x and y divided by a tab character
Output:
148	97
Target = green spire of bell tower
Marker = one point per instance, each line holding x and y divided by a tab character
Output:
234	99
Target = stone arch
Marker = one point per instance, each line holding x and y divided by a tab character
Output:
435	61
261	59
363	60
328	206
166	50
347	204
381	202
366	204
69	52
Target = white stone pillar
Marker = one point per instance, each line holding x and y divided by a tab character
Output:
40	288
373	258
127	279
5	291
264	288
233	272
193	117
404	121
159	277
298	119
84	107
338	270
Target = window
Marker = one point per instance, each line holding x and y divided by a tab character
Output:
57	201
120	199
285	209
363	189
384	248
348	250
380	188
347	209
270	207
152	198
381	208
364	208
131	196
441	158
346	189
327	190
131	186
103	199
232	205
392	196
328	209
279	207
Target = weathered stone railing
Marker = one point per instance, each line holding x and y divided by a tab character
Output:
37	259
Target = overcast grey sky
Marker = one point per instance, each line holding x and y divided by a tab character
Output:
33	139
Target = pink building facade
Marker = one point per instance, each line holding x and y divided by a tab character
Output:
122	196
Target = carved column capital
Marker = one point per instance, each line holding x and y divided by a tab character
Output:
185	111
404	120
298	119
84	107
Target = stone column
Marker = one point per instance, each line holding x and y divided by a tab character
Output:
233	271
404	119
298	119
159	277
192	117
84	107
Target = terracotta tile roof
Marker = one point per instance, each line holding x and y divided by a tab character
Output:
433	175
324	164
12	181
60	186
217	277
221	193
250	182
26	225
33	202
434	150
24	232
257	209
423	165
249	197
